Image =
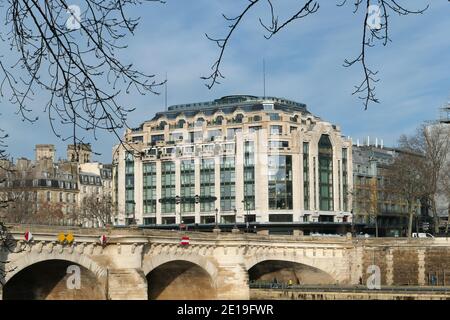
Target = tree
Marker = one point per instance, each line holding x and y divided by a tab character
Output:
366	201
68	60
96	210
405	181
375	28
444	189
432	142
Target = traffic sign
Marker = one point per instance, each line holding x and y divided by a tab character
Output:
28	236
65	238
103	239
184	241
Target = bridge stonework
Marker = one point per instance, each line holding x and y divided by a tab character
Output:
142	264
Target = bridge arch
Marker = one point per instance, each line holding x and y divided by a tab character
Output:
153	262
180	277
30	258
323	271
55	277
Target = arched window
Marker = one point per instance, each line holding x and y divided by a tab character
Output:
238	118
219	120
325	173
161	125
180	123
199	122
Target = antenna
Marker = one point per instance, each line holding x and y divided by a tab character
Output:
264	76
165	93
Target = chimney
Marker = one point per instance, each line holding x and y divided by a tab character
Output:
376	142
368	141
381	143
357	142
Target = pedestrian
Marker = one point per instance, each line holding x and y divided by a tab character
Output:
360	280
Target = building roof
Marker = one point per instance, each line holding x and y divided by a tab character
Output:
230	104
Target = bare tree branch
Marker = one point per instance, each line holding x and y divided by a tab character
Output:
375	29
77	66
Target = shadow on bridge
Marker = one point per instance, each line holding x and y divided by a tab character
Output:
180	280
278	271
54	280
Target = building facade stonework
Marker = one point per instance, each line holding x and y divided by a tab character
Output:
240	158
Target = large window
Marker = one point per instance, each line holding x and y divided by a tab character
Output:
231	132
187	177
276	130
345	178
129	183
149	186
207	185
168	187
325	174
227	184
306	175
280	182
249	176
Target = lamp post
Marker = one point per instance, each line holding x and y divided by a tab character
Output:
235	218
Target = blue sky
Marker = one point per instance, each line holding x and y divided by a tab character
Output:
303	63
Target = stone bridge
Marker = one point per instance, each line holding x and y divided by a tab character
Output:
152	264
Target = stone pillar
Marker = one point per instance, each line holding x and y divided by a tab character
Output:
261	177
356	264
158	192
177	163
297	185
390	267
138	191
421	279
197	188
239	174
232	282
127	284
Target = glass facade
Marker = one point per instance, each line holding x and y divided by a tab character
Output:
187	191
227	184
325	174
149	187
306	175
168	187
345	178
207	185
249	175
280	182
227	151
129	183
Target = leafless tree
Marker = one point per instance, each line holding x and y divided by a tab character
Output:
365	202
372	32
71	56
444	189
430	140
405	181
97	210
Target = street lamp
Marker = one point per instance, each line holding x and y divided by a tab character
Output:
235	218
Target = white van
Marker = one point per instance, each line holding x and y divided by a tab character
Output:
422	235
